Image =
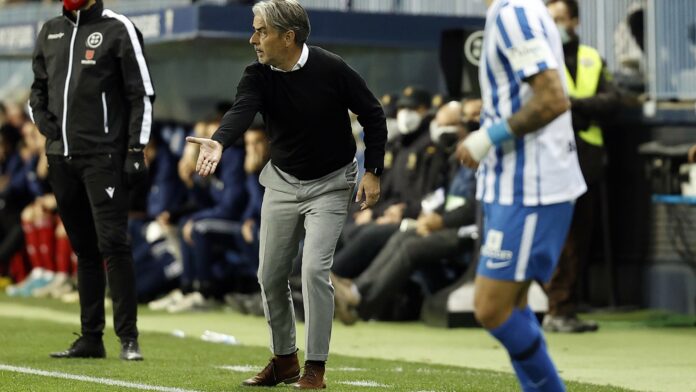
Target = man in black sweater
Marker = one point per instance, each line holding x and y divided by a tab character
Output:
304	94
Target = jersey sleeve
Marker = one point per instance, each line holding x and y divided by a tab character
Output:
524	41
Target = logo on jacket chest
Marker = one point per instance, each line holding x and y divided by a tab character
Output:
89	57
94	40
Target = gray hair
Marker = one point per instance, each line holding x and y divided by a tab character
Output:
285	15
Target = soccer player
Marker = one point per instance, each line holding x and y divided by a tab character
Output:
528	178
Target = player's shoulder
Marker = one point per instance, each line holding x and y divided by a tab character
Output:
117	21
53	23
511	9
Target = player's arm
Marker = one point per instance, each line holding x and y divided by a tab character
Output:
362	102
138	86
603	105
531	60
548	102
38	101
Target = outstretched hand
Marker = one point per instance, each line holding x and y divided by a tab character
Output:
208	156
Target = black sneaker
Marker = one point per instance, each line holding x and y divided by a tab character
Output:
130	351
83	347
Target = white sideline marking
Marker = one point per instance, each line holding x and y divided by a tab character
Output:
241	368
364	384
347	369
97	380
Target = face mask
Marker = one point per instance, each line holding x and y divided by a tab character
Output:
442	134
565	37
408	121
74	5
392	129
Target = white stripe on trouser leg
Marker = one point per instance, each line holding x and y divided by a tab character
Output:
525	246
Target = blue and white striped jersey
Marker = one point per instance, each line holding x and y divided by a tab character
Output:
521	40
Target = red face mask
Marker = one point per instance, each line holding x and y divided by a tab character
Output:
73	5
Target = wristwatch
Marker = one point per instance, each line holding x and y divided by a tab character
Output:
377	171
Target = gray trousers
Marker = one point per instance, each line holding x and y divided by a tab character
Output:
290	207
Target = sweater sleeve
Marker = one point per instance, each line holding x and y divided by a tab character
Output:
38	101
137	85
362	102
247	103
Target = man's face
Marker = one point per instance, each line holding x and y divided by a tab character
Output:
269	44
561	15
255	142
471	110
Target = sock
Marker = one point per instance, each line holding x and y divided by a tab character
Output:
46	238
31	238
524	342
287	355
63	254
317	363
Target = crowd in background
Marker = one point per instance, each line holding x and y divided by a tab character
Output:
195	240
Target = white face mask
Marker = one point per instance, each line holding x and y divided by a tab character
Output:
408	121
392	129
565	37
437	131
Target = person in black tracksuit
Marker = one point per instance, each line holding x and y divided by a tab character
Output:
92	99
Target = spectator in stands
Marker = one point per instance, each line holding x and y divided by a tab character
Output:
413	167
156	253
593	100
11	237
388	102
419	168
219	241
49	254
433	237
257	155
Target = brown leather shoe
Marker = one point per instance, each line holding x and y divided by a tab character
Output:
345	299
312	378
279	370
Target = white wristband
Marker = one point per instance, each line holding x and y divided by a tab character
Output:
478	143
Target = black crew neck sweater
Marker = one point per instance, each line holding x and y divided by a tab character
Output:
306	115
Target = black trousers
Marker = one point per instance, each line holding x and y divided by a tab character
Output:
404	254
93	204
362	248
562	290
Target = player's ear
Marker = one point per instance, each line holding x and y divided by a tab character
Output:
289	38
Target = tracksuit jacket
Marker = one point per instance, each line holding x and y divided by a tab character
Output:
92	80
